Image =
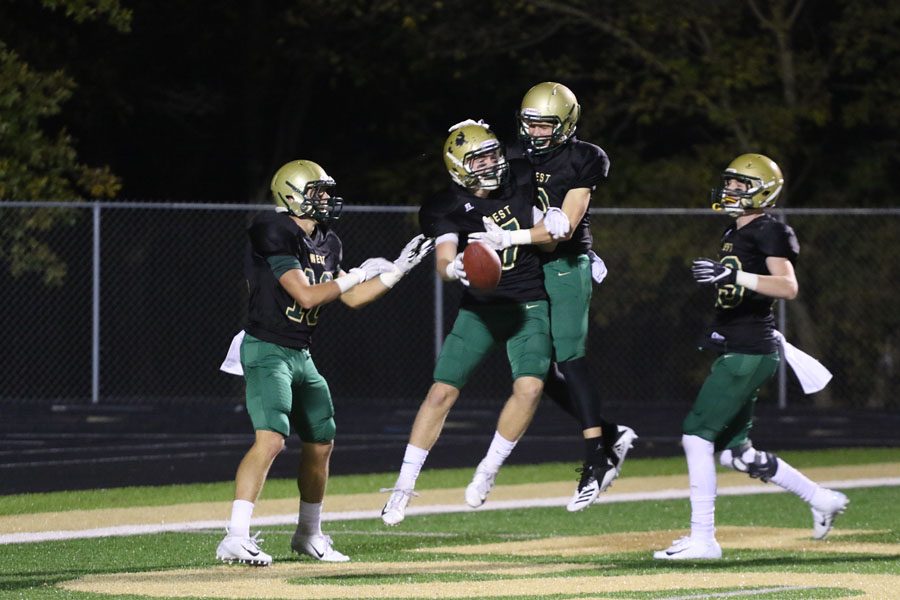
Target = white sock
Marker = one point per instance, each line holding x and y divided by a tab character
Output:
702	475
794	481
310	520
498	453
240	518
413	461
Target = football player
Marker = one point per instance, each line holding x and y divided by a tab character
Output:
567	170
755	265
293	268
485	186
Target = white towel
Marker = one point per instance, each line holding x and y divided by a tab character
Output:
812	374
232	362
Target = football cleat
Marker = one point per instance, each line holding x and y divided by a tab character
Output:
826	505
618	450
236	548
594	480
482	484
394	510
318	546
688	548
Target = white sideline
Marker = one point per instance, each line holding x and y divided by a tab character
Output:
670	494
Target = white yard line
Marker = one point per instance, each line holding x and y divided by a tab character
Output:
286	519
740	593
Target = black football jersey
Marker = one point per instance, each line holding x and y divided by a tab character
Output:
575	164
459	211
277	244
744	320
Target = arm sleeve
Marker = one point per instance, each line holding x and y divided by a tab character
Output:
281	264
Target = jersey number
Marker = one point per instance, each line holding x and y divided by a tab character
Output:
297	313
731	295
508	257
543	199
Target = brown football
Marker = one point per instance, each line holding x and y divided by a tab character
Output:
482	266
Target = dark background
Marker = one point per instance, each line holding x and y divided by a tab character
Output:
202	102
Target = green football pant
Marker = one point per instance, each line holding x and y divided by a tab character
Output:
284	388
723	410
568	284
525	328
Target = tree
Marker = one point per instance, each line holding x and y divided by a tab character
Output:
38	159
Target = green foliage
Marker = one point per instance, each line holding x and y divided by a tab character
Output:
39	161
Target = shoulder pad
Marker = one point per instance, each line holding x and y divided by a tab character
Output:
273	236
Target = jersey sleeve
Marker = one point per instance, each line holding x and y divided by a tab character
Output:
779	240
433	218
592	169
269	239
336	248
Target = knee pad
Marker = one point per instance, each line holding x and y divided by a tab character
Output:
756	464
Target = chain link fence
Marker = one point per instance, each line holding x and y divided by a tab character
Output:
152	294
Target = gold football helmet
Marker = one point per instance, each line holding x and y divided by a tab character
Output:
763	179
469	141
552	103
303	188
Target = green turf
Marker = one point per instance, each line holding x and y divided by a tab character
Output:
430	479
30	570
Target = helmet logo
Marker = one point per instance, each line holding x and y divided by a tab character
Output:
460	139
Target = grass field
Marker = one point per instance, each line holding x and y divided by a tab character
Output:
540	552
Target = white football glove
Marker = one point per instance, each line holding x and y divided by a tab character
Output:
373	267
412	254
598	267
557	223
493	235
456	270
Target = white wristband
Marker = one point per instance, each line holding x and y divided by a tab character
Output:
391	278
747	280
520	237
345	282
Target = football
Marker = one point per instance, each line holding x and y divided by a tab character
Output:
482	266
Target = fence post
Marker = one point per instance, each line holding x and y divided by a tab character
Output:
782	364
782	327
438	315
95	308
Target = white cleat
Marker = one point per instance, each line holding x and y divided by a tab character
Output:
688	548
482	484
594	480
235	548
826	505
624	442
394	510
318	546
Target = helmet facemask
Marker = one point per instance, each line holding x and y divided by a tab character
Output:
474	157
491	176
315	201
540	144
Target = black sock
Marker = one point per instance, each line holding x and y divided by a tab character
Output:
593	449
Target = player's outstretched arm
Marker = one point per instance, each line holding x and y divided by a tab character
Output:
390	273
558	224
